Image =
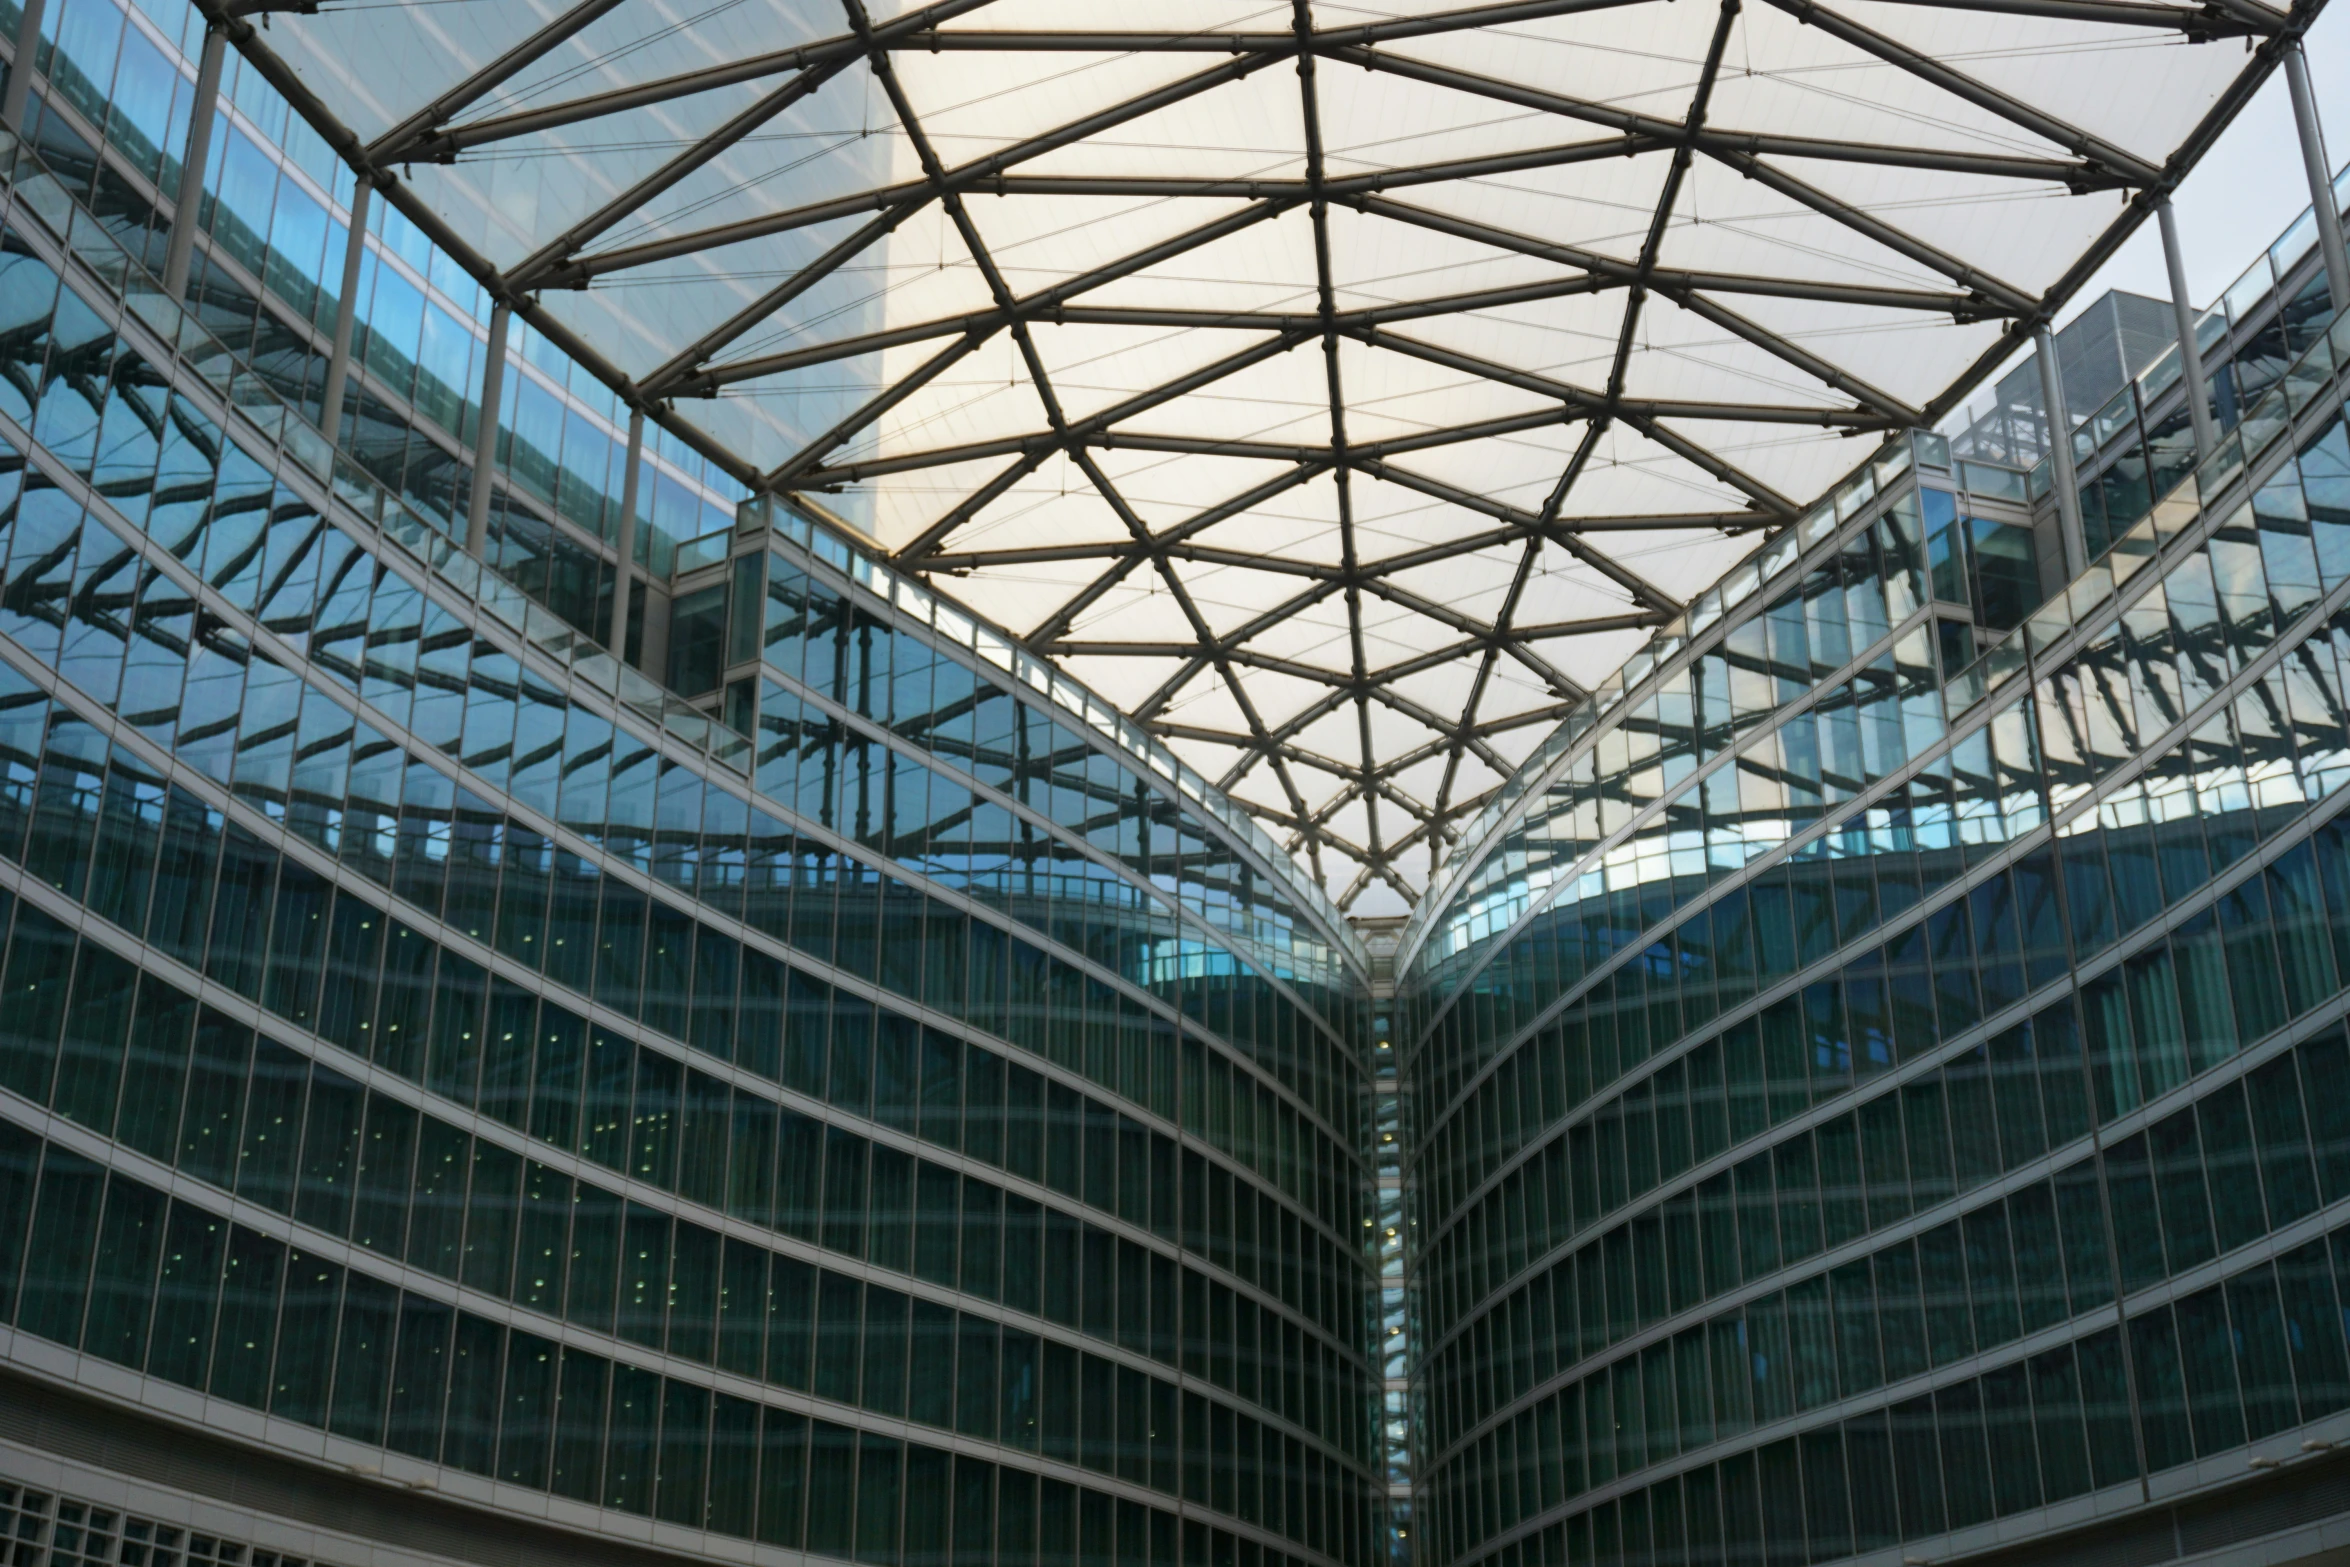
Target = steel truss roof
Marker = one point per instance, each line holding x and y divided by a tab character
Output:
1342	391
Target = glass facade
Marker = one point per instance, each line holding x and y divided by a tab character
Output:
1879	1090
113	125
891	1122
786	1072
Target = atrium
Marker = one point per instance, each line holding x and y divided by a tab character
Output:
1191	784
1340	396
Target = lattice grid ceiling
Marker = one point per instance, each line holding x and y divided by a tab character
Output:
1340	390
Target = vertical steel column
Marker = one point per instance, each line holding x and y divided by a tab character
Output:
2321	176
338	364
2060	456
2183	316
485	438
184	210
20	65
632	477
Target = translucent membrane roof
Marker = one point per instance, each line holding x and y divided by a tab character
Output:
1341	390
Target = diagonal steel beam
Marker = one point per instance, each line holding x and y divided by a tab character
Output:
1601	271
1642	590
1221	656
962	178
1899	241
580	271
538	270
1830	375
1579	405
1278	742
1729	522
1661	220
1402	761
664	381
1091	433
1257	625
1049	310
1682	288
2088	174
1641	415
1445	615
950	198
1715	465
396	142
1199	658
1962	307
832	208
1734	155
1135	554
1385	675
2122	164
443	144
1425	440
1301	21
1204	41
873	408
1487	660
679	372
1045	304
1041	444
1652	244
2198	22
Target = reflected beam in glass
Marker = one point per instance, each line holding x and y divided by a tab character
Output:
631	482
190	201
485	435
20	70
338	364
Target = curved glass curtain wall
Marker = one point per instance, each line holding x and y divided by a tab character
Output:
275	226
2132	449
120	76
594	1128
1915	1113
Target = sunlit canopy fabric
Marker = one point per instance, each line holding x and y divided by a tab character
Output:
1341	390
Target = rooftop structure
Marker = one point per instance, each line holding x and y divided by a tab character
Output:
701	716
1341	397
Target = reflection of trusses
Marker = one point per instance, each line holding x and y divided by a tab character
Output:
737	353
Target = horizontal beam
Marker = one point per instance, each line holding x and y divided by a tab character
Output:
1578	404
1965	274
1642	590
544	267
1188	445
2197	22
443	145
1049	310
392	144
963	562
2090	173
1205	41
2119	163
1140	187
1631	409
1970	306
1088	432
575	272
1477	642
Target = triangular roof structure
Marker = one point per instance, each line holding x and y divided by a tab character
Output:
1341	390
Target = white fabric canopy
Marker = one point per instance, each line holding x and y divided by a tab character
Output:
1340	390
